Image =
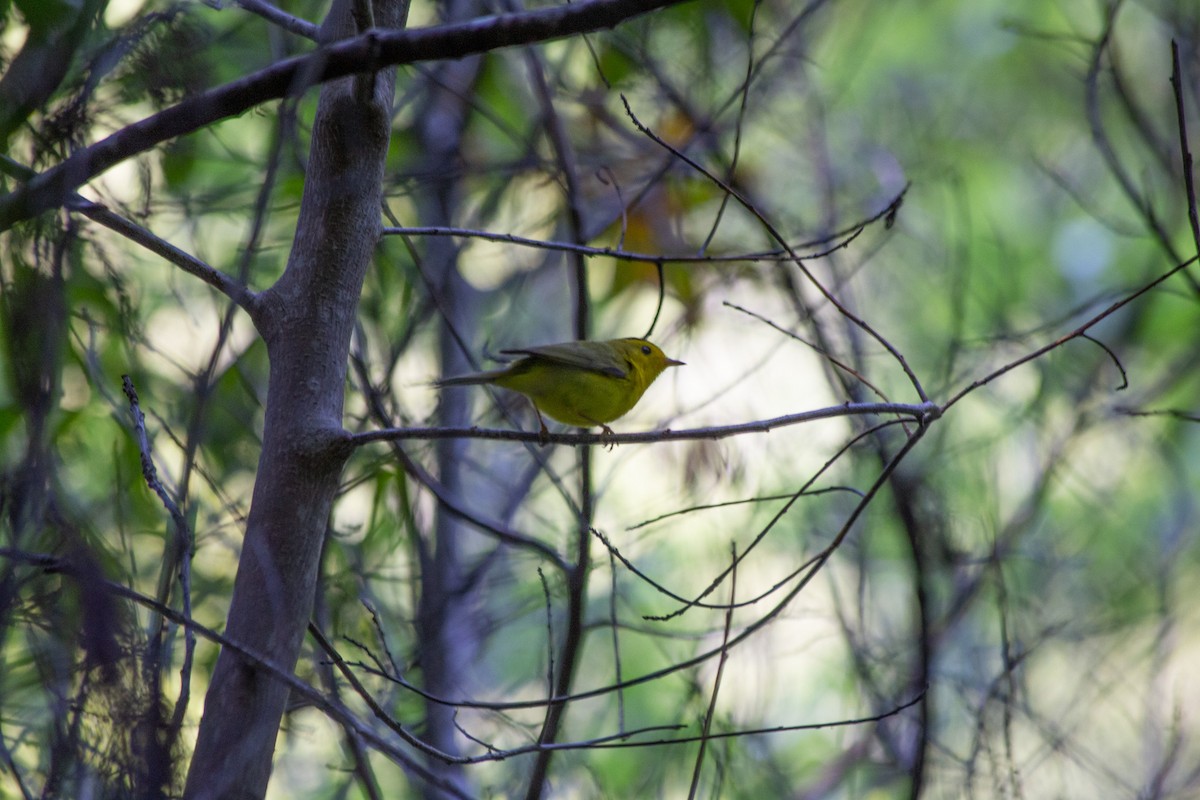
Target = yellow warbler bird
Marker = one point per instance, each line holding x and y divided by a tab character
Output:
579	383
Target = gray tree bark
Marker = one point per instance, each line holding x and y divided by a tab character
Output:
449	641
306	319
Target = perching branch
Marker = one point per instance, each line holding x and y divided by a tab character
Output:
918	411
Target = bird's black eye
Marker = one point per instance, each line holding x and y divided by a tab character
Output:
646	349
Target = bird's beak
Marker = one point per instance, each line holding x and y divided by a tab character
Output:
673	363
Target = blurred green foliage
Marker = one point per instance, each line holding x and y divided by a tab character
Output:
1035	546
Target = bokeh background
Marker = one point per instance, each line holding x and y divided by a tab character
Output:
973	180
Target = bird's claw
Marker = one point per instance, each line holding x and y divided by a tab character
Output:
607	431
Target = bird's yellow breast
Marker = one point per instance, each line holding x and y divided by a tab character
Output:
572	395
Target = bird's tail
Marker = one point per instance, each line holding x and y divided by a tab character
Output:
470	380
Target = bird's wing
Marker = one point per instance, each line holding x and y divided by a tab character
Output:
593	356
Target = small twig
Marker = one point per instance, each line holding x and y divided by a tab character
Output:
380	714
1186	416
616	644
1060	341
662	297
491	748
380	669
696	602
1185	152
819	350
149	471
1104	144
774	233
724	657
549	635
745	501
1124	377
378	625
276	16
743	92
237	292
226	285
619	253
177	553
812	726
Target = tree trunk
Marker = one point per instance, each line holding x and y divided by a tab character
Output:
449	636
306	320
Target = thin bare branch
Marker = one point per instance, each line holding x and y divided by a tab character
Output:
917	411
620	254
277	16
1185	151
706	727
1060	341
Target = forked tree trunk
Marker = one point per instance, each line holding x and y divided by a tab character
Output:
306	320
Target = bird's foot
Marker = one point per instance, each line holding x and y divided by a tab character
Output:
607	431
